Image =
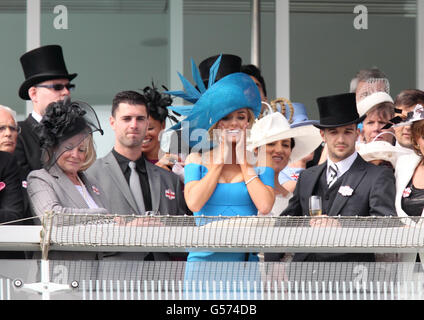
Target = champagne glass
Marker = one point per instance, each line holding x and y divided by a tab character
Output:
315	206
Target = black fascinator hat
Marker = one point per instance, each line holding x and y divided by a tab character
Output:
158	103
63	120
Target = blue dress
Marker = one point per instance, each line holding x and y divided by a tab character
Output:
228	199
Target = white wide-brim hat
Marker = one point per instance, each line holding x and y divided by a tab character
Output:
275	127
380	150
372	100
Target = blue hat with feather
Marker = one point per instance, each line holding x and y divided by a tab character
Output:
230	93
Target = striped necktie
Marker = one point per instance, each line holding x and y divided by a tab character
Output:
333	174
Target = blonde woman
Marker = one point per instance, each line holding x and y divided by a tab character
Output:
68	150
220	179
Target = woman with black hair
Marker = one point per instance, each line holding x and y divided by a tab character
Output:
157	104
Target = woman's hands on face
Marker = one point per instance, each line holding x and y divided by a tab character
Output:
222	155
244	157
241	152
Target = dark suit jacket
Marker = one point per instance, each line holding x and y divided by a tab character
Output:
11	196
28	151
373	195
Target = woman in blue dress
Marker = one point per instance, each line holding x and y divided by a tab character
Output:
221	181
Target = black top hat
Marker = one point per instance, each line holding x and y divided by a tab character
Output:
42	64
230	63
338	111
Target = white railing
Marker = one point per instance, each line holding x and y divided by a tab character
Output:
106	279
232	234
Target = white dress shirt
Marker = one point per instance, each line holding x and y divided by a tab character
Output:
36	116
87	197
342	166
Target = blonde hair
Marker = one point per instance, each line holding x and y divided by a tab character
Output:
251	120
90	153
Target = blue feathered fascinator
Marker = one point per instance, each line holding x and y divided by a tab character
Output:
232	92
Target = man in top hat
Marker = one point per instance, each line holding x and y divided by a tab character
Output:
346	183
46	80
9	132
229	63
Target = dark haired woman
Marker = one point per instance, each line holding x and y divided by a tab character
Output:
409	173
157	104
410	169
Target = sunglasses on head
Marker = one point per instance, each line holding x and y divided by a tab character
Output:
57	86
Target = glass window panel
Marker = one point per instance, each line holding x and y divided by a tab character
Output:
326	51
213	27
12	36
112	48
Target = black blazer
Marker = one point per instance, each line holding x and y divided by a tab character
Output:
373	191
373	195
11	196
28	151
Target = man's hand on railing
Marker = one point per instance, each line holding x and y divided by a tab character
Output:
145	221
324	221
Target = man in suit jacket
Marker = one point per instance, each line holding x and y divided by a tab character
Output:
9	132
11	197
161	190
46	80
370	190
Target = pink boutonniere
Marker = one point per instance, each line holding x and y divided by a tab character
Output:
346	191
170	194
406	193
2	185
95	190
24	184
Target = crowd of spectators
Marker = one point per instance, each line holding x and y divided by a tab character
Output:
364	156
